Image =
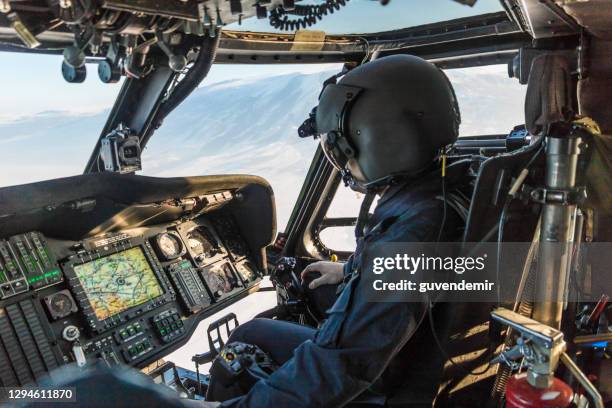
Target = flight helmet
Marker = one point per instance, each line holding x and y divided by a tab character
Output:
386	120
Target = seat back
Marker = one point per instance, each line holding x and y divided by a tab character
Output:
495	178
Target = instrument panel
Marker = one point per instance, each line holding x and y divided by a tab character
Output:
125	298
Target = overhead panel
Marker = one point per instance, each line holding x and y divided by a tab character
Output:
546	19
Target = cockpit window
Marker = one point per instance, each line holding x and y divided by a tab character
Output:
367	16
48	128
243	119
490	102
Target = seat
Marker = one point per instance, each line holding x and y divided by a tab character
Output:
465	325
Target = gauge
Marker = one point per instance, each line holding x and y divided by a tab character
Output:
201	244
219	285
169	245
220	279
237	247
246	271
60	304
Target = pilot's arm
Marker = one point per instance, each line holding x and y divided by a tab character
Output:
354	345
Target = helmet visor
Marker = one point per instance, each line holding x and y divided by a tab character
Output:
333	106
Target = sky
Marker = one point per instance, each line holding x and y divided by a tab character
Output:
368	16
33	83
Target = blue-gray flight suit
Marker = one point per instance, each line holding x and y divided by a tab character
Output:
359	339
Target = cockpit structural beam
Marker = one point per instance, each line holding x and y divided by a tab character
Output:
143	103
135	107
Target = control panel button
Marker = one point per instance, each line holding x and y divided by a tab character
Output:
138	349
129	332
169	325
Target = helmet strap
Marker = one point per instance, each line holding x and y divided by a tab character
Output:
364	214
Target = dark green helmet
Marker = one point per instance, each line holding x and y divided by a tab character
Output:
387	120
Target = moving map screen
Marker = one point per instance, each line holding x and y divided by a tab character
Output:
118	282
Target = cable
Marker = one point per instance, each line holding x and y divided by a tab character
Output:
500	236
502	217
308	15
197	73
444	211
368	51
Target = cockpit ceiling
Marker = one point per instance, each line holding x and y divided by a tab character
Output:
47	20
557	18
594	15
496	34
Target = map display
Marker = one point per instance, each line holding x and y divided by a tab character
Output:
118	282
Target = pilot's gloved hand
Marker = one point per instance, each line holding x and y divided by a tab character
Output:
331	273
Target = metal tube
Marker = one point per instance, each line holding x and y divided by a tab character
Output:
555	234
522	305
583	380
592	338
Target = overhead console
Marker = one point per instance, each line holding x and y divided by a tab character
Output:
158	256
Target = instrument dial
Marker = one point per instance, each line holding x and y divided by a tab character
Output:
169	245
221	279
201	244
60	304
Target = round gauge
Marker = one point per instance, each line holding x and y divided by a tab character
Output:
200	245
169	245
60	304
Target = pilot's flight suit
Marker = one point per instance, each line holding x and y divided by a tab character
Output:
349	352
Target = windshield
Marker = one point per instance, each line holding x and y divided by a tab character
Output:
242	119
367	16
47	127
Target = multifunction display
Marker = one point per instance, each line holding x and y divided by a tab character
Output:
118	282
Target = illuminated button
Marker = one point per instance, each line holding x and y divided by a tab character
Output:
131	331
123	334
137	327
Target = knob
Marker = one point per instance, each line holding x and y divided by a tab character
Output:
71	333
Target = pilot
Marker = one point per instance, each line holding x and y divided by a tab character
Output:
384	126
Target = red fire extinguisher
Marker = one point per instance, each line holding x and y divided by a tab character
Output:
521	394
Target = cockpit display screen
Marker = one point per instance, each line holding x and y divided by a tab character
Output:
118	282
